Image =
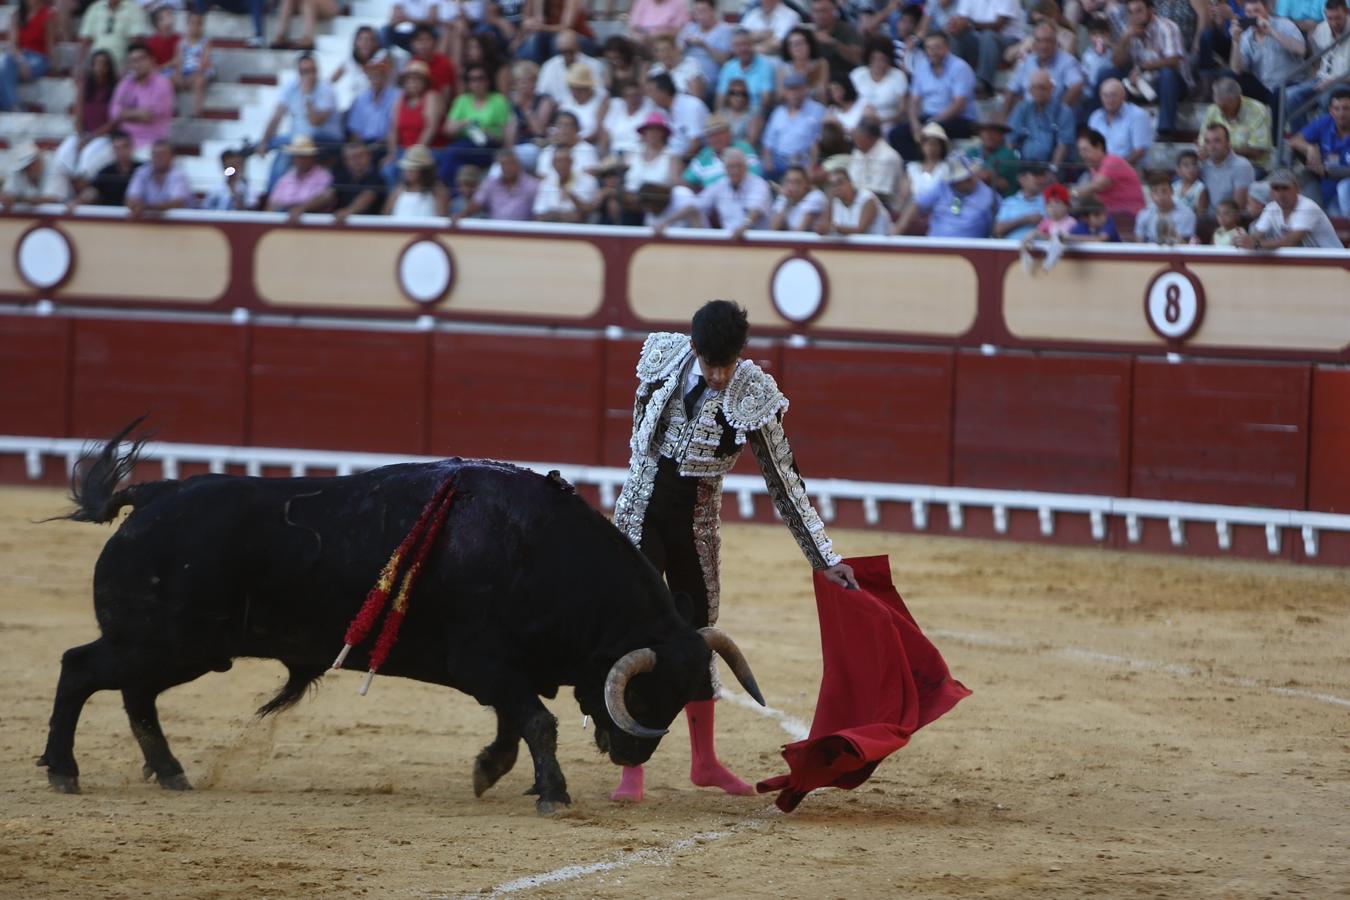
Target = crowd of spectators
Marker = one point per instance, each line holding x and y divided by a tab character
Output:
864	117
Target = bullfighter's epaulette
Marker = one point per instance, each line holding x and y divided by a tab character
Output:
662	354
752	399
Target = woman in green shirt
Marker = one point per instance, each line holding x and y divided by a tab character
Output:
476	126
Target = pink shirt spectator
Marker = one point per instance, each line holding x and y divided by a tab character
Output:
155	189
508	202
296	190
1125	193
652	17
1061	227
155	93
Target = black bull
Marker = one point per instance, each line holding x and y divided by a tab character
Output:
526	589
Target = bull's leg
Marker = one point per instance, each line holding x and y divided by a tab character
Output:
498	757
140	706
540	731
84	670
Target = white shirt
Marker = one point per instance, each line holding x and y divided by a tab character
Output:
685	71
782	20
920	181
877	170
751	200
415	204
813	203
681	199
985	11
850	216
553	76
450	10
687	114
419	10
1307	216
588	115
884	96
849	118
621	125
583	158
551	197
647	171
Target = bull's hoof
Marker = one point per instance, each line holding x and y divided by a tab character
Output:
64	784
551	807
177	782
147	773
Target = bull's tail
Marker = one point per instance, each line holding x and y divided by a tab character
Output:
299	680
94	480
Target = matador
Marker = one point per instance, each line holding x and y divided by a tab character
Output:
698	404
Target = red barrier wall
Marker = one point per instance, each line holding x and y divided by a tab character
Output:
870	414
1045	423
517	397
1221	433
1329	450
189	378
35	375
324	388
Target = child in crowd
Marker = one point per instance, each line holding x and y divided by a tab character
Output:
233	192
1097	54
1094	224
1055	227
191	68
1163	221
163	43
1187	189
1229	224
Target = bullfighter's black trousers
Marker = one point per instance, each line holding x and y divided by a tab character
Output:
668	543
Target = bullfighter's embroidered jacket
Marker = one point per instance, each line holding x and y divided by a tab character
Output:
707	445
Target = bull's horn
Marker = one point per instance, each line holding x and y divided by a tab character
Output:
721	643
629	664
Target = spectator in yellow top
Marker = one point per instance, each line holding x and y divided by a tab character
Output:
1247	121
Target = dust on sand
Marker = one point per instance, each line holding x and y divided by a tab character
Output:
1141	727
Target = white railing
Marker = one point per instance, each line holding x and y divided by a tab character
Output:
920	498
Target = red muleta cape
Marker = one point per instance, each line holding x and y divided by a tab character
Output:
883	681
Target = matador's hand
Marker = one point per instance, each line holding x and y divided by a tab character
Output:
842	575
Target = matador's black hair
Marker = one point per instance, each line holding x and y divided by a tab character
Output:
719	332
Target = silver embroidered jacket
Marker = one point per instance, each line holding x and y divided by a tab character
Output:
749	411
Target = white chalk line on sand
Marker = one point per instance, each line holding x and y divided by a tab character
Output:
794	728
1080	654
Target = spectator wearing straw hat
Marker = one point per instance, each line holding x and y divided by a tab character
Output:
706	167
931	167
584	101
961	206
416	118
158	185
874	165
304	187
31	180
553	73
1042	127
1289	220
419	194
851	210
1000	162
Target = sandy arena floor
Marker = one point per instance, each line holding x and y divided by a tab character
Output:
1141	727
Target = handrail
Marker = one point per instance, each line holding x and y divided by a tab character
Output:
1306	67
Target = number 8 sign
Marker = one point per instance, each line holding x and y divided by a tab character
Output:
1174	304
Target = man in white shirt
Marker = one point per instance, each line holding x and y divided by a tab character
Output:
769	24
741	200
686	74
553	73
981	30
1128	129
565	194
1289	220
874	165
685	113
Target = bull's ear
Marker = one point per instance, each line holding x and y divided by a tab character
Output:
684	606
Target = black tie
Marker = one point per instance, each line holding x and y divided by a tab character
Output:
695	392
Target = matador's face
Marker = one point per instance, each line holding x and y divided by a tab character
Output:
718	377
